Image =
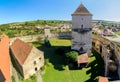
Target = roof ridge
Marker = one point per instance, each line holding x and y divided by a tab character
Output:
82	10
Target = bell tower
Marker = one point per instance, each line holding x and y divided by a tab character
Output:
81	29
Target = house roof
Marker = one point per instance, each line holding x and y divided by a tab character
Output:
2	77
103	79
20	50
83	58
4	59
82	11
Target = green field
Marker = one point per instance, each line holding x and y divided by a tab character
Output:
118	33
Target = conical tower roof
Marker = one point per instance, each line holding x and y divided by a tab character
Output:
82	11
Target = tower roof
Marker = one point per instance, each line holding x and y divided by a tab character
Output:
82	11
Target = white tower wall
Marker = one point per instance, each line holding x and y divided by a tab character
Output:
81	29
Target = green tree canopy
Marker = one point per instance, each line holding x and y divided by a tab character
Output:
72	55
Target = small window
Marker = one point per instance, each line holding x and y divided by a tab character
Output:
81	49
39	58
36	69
82	26
34	62
82	18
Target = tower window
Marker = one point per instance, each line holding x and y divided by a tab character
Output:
82	26
81	49
39	58
34	62
36	69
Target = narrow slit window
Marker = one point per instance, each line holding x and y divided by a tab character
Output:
82	26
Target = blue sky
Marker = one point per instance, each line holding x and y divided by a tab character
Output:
25	10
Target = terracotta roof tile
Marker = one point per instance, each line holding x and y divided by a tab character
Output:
81	10
20	50
4	59
2	77
102	79
83	58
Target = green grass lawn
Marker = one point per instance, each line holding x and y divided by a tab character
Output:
32	79
118	33
60	42
57	71
66	75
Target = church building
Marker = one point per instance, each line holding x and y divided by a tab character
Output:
81	30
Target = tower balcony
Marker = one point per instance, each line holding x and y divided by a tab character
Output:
82	30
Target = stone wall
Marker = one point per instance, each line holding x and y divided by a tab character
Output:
33	63
104	47
31	38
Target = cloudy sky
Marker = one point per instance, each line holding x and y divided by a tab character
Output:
25	10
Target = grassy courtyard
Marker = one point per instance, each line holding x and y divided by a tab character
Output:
57	71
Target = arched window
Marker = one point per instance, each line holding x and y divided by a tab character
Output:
82	26
81	49
36	69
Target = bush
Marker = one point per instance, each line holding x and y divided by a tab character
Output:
13	79
72	55
43	68
47	62
33	77
47	42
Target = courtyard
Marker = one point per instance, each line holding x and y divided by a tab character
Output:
56	69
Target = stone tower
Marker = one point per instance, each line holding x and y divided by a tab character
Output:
81	29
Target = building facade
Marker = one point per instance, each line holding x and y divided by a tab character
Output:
81	29
28	59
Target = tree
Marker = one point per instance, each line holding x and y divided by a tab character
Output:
47	42
72	55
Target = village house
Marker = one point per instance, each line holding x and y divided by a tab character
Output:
28	59
82	60
4	59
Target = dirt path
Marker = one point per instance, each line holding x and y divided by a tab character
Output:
39	78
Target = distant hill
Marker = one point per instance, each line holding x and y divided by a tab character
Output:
106	21
40	22
31	27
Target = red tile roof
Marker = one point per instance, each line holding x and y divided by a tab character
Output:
83	58
4	59
2	77
103	79
81	10
20	50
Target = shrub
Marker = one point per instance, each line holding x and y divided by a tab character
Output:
72	55
47	62
47	42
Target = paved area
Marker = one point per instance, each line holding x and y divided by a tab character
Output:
115	39
39	78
